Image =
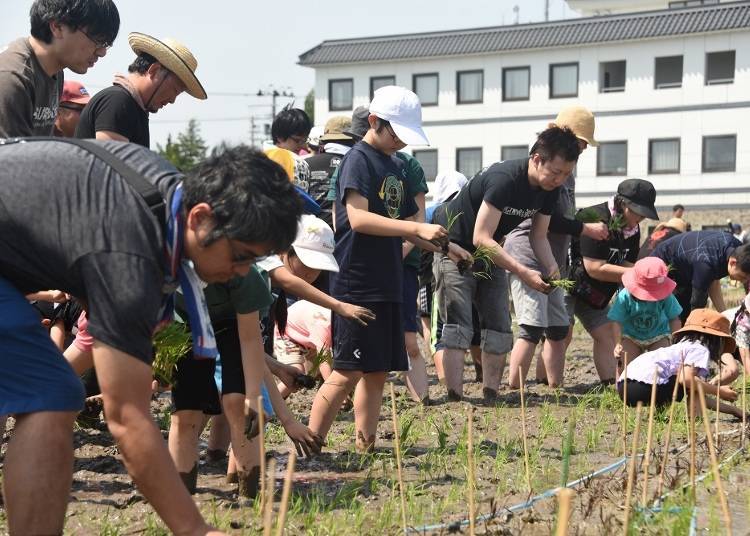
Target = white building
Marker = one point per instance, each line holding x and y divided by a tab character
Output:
670	88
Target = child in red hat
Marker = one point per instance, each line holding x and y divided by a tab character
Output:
645	312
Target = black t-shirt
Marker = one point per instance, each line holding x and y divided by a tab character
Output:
616	249
97	239
370	266
322	167
697	258
505	186
115	110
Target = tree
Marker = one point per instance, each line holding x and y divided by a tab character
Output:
310	105
189	149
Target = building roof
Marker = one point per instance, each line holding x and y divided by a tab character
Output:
572	32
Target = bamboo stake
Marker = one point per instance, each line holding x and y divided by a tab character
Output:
718	401
564	498
262	446
286	492
715	464
268	504
649	437
397	441
625	403
631	467
523	425
470	464
692	438
660	484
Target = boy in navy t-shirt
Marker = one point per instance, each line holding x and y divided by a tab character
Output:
371	204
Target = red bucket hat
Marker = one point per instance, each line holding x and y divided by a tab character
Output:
648	280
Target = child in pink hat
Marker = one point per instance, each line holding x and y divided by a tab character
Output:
645	312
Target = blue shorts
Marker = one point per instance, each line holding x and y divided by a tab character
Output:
34	376
409	305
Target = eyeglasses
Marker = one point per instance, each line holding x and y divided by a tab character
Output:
390	130
98	44
299	140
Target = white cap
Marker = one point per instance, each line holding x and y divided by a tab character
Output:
401	108
446	184
314	244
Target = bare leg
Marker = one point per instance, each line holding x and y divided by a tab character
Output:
80	360
329	398
218	436
38	472
476	358
426	331
553	356
630	349
540	370
520	356
493	366
416	377
184	430
745	356
453	366
246	452
57	334
368	397
604	348
282	387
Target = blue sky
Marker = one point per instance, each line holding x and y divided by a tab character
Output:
244	46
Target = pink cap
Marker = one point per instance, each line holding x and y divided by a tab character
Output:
74	92
648	280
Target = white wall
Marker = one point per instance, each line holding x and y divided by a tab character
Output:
495	123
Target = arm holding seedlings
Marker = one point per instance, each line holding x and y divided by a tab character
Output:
540	245
688	376
729	370
488	218
419	218
126	390
604	271
282	277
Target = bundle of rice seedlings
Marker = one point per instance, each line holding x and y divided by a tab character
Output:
451	219
323	355
616	223
566	284
171	344
588	215
483	255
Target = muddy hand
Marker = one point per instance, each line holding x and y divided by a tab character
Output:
534	279
305	441
304	381
432	233
362	315
727	394
457	254
252	423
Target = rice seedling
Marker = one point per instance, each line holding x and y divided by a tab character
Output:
451	219
172	344
616	223
566	284
588	215
323	355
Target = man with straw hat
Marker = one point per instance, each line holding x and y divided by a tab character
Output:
161	71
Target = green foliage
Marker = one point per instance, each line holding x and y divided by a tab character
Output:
171	343
565	284
188	151
484	255
310	105
588	215
616	223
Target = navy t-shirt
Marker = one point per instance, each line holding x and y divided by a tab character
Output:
697	258
505	186
370	267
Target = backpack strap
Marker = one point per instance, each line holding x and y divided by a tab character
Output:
148	192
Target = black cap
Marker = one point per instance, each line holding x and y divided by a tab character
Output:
360	124
640	196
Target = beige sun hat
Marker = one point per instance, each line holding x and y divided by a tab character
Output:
174	56
580	120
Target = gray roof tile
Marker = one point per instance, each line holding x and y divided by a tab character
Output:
603	29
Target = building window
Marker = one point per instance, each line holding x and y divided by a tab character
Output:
511	152
516	83
563	80
719	153
664	156
340	94
376	82
612	158
469	87
668	72
428	159
611	76
469	161
691	3
427	87
720	67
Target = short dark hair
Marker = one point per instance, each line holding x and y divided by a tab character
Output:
251	196
290	122
677	207
141	63
100	18
556	141
742	255
713	343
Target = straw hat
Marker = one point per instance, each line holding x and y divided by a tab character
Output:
174	56
580	120
711	322
678	224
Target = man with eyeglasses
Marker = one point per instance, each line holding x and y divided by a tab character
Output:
162	70
64	34
74	97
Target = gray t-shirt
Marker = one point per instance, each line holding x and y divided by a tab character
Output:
28	96
517	242
70	222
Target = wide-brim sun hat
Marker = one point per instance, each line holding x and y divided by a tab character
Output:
648	280
174	56
711	322
402	109
580	120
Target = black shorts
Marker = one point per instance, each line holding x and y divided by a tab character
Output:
409	307
641	392
194	385
377	347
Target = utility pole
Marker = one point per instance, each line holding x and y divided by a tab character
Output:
274	94
252	131
546	10
516	9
